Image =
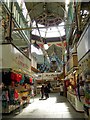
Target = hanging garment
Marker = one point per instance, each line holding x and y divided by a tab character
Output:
11	94
27	79
7	96
18	77
4	95
13	84
30	80
22	80
13	76
16	95
6	78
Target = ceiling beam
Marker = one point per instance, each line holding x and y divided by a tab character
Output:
33	6
30	28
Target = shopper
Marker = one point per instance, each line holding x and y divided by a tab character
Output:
49	87
46	91
61	89
42	91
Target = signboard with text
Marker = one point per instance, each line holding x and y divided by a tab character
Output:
13	58
48	76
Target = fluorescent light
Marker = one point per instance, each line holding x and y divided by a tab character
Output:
46	46
65	51
35	50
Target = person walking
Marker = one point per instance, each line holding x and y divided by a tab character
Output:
61	89
46	91
42	91
49	87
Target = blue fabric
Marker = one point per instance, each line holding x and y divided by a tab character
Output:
22	81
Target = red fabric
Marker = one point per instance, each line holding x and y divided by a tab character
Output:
16	77
12	84
16	94
30	80
13	76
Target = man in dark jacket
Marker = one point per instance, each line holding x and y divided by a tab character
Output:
42	91
46	91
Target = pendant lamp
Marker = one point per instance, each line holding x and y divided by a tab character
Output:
46	45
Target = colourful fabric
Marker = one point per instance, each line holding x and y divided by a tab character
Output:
22	80
30	80
16	95
13	76
16	77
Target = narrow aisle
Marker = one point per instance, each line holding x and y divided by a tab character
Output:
54	107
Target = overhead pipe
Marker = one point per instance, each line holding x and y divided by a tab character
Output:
76	16
10	32
30	28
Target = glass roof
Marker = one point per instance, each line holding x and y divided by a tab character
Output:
35	50
48	32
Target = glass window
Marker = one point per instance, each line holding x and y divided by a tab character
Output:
14	11
8	2
56	31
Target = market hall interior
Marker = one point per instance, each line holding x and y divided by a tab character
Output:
45	43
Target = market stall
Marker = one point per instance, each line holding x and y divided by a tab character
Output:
16	78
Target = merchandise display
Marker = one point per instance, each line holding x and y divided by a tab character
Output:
16	90
86	102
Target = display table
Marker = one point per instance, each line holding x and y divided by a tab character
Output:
75	102
56	90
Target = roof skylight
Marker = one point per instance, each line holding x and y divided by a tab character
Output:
50	31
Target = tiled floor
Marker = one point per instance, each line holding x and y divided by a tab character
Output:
54	107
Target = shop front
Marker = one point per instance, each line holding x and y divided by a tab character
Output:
16	78
71	73
84	68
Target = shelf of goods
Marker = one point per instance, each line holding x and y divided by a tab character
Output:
16	91
14	97
84	66
16	79
87	98
72	98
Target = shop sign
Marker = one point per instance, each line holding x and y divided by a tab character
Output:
48	76
13	58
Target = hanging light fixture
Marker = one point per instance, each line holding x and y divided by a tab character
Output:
46	45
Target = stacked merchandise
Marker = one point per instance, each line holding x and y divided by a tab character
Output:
15	90
83	92
87	95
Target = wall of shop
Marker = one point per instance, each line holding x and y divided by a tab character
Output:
16	78
13	58
33	61
83	51
84	43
